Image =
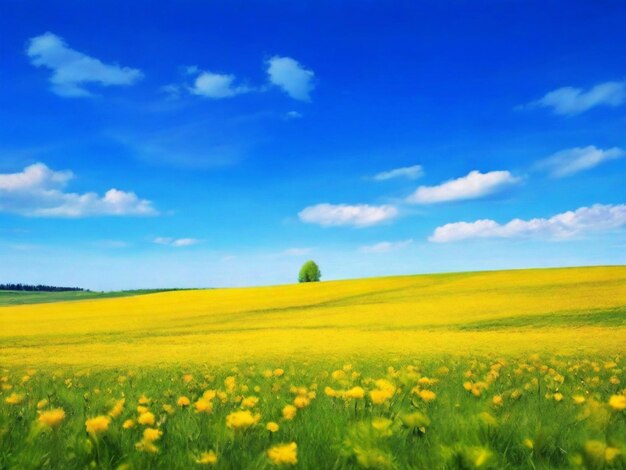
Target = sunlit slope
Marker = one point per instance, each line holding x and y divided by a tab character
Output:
565	310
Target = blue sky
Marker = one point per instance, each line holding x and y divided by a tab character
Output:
192	143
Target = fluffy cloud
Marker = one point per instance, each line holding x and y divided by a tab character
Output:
411	172
38	191
71	69
570	161
289	75
360	215
567	224
385	247
472	186
217	86
176	242
570	100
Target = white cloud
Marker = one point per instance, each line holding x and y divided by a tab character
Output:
37	191
570	161
71	69
289	75
176	242
598	217
411	172
293	115
360	215
217	86
385	247
472	186
570	100
297	251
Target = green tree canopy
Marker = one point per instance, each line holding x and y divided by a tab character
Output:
310	272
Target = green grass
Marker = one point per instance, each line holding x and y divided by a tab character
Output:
25	297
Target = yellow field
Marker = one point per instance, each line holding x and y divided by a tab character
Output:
567	311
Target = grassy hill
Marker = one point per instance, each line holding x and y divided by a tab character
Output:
565	310
12	297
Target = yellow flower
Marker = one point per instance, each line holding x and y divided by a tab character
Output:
355	392
151	434
187	378
301	402
241	420
143	400
331	392
51	418
146	419
183	401
117	408
207	458
14	399
427	395
379	397
618	402
289	412
528	443
128	424
146	446
284	454
279	372
558	396
249	402
169	409
203	406
497	400
97	425
272	426
578	399
142	409
42	403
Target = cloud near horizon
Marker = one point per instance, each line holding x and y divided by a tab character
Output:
37	191
570	161
359	215
596	218
411	172
385	247
472	186
71	69
571	101
293	78
176	242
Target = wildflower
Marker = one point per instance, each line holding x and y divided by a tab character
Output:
146	446
51	418
97	425
427	395
382	425
169	409
14	399
187	378
183	402
230	383
331	392
618	402
497	400
207	458
272	426
289	412
528	443
614	380
241	419
146	419
284	454
249	402
151	434
117	408
338	375
279	372
558	396
578	399
379	397
128	424
301	402
42	403
355	392
203	406
142	409
467	386
143	400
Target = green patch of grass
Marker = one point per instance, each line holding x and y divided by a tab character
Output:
25	297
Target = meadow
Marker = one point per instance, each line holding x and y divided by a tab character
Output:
505	369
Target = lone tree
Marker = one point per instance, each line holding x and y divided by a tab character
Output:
309	272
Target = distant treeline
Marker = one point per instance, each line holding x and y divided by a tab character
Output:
38	288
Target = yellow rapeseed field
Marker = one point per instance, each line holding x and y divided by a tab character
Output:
488	370
563	310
